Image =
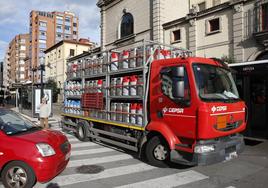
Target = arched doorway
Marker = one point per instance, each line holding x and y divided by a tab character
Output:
262	56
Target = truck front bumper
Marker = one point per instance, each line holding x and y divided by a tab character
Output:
225	148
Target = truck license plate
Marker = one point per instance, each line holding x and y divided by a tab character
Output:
231	155
67	156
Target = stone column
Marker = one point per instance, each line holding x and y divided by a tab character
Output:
102	28
238	32
192	36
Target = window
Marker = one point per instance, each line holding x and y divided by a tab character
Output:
42	41
213	26
42	24
171	83
67	27
71	52
127	25
74	32
67	19
216	2
75	24
176	35
59	17
42	33
264	18
59	26
202	6
59	35
59	54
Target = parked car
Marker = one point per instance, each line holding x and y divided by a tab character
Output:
29	153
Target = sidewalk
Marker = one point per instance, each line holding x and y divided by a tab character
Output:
53	121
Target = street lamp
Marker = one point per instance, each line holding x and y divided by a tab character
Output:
42	68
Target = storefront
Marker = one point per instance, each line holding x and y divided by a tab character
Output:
252	83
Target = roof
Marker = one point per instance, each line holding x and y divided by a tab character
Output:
66	41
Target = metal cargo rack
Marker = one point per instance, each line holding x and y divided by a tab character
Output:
92	70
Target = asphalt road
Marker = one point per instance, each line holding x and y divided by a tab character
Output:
119	168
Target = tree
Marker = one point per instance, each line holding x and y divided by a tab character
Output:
52	84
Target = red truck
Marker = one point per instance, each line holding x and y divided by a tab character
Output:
158	101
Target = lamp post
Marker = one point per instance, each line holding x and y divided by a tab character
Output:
42	68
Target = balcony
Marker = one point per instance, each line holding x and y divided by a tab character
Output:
261	22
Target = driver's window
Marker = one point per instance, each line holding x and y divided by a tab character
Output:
169	81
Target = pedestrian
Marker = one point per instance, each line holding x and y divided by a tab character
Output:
44	113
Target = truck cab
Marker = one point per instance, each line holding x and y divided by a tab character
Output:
195	111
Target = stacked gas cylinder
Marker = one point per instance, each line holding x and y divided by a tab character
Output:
73	89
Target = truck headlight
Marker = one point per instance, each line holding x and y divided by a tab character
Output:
45	149
204	148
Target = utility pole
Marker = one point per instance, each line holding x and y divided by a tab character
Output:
42	68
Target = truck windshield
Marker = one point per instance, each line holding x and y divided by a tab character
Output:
214	83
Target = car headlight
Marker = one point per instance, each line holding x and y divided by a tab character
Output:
204	148
45	149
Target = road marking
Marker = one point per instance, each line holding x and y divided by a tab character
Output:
91	151
71	139
230	187
173	180
84	144
109	173
98	160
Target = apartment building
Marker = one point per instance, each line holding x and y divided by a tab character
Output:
57	55
18	50
6	70
46	29
127	21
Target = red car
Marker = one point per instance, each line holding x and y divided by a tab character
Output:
29	153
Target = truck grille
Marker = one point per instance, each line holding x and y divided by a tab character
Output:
65	147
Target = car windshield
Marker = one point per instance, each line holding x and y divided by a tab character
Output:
11	123
215	83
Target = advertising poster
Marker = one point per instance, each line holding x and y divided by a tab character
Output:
37	100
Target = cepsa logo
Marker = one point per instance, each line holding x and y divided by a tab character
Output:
218	108
173	110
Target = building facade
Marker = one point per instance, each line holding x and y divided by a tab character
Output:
57	55
236	29
124	22
46	29
18	50
6	71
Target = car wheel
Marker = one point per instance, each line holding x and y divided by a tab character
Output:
81	132
157	152
18	174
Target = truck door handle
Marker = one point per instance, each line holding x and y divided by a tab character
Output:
160	114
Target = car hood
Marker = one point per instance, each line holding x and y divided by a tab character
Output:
49	136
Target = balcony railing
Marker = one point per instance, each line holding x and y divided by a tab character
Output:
261	16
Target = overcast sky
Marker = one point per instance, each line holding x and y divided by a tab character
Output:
14	17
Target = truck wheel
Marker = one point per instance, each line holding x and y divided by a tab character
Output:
18	174
157	152
81	132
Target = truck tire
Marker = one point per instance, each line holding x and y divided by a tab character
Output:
157	152
81	132
18	174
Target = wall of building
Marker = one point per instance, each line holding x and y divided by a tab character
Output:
56	60
149	15
235	39
111	19
45	33
18	51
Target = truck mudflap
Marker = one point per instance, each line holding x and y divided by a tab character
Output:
210	151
